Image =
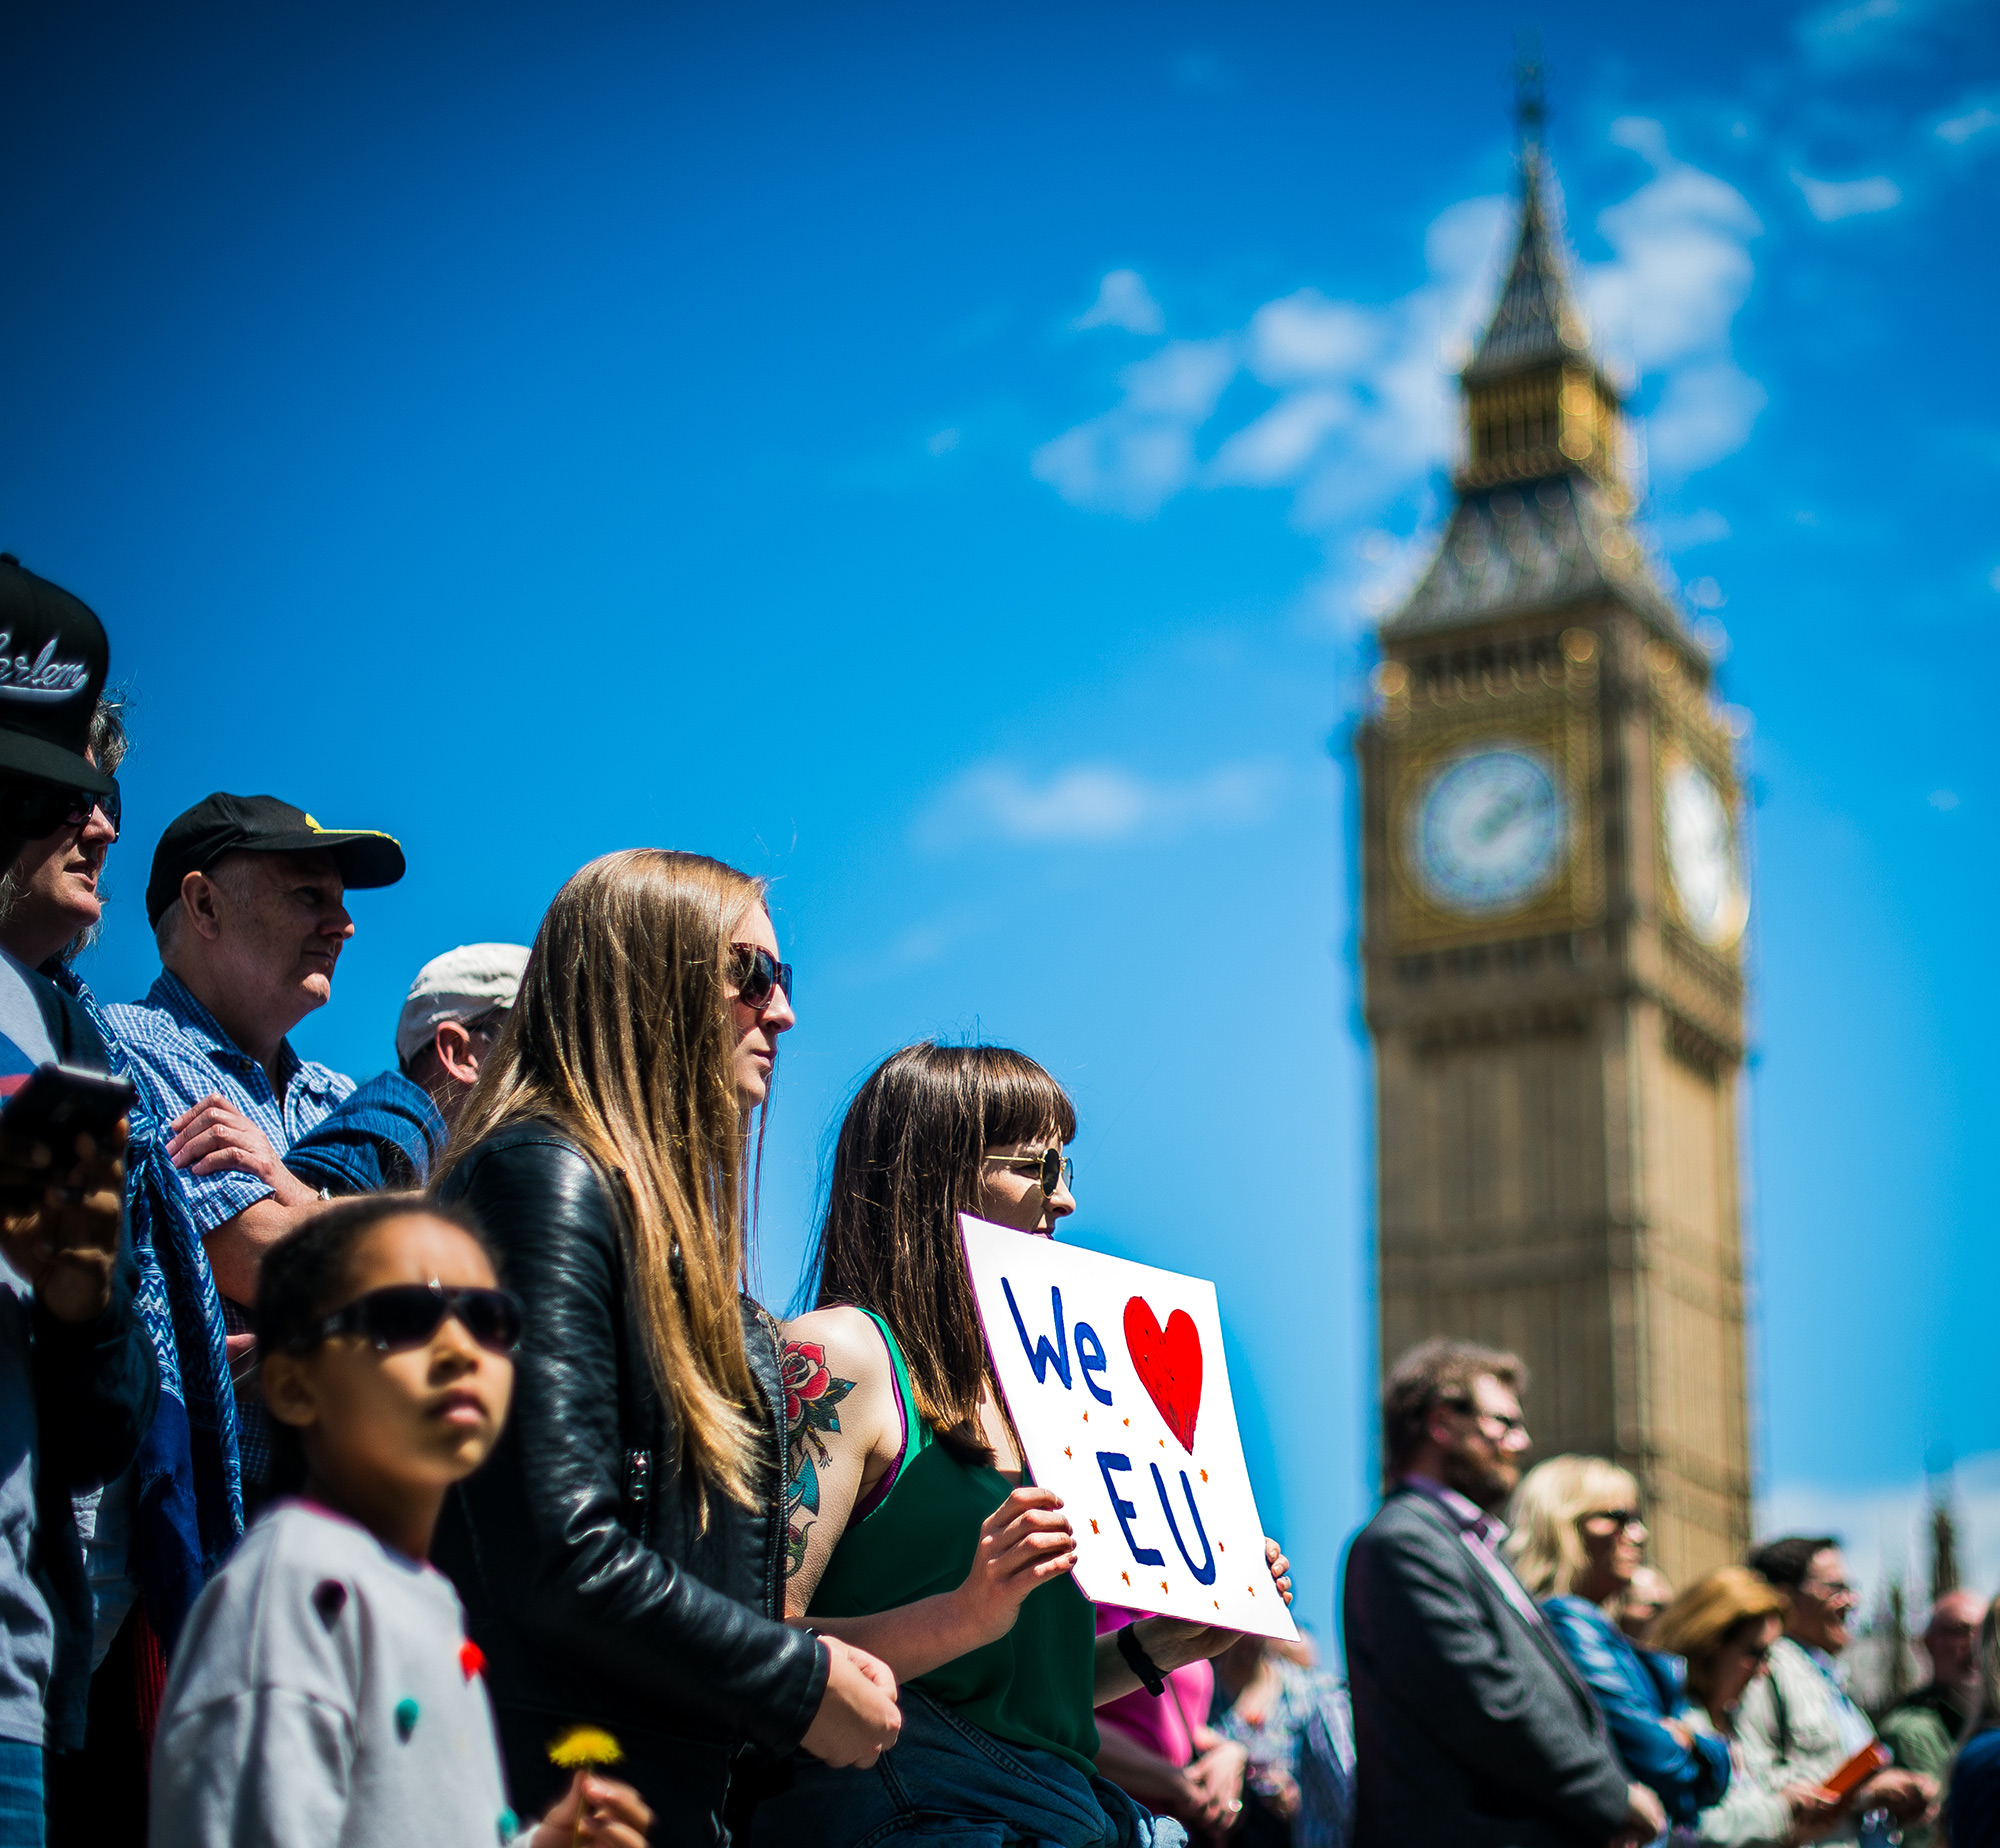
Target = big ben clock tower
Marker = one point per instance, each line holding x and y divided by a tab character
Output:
1553	902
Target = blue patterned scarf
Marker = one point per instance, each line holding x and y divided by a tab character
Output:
188	1510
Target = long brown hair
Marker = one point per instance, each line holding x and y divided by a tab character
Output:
907	1163
622	1037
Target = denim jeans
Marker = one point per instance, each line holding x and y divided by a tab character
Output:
20	1795
949	1784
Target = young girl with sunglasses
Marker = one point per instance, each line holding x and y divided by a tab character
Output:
621	1557
324	1689
914	1532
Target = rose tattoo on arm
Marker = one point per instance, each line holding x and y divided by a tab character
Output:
812	1399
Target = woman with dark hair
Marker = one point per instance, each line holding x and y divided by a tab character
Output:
621	1556
914	1532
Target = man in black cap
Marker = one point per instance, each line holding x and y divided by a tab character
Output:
77	1377
246	903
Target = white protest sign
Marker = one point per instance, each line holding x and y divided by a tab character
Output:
1114	1375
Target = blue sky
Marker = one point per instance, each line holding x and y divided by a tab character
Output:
947	461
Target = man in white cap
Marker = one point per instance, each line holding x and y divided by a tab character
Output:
453	1014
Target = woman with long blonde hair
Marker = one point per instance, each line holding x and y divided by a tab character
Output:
1577	1541
621	1557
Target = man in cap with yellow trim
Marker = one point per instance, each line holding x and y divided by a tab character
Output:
246	901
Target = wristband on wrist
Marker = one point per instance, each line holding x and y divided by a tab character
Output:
1139	1662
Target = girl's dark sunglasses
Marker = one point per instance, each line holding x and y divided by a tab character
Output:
406	1315
1052	1168
756	974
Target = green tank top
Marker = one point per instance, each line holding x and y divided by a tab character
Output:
1034	1686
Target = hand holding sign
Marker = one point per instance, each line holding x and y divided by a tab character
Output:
1136	1433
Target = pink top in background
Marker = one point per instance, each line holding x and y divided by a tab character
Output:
1160	1724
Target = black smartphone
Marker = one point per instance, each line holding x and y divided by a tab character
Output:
61	1102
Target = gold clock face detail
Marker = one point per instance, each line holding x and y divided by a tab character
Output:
1701	856
1488	831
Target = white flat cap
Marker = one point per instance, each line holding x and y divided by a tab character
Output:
469	980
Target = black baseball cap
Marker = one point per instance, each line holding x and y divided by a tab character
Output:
262	824
53	659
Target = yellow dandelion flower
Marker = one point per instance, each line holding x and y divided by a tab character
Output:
585	1745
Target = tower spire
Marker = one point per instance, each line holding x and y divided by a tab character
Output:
1542	499
1529	102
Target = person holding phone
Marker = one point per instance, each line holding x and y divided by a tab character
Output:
78	1382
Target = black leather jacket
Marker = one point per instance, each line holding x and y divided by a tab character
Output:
590	1581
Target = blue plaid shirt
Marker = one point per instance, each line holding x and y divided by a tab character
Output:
180	1054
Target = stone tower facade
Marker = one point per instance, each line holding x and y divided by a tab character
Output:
1553	900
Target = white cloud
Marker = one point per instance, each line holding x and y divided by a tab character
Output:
1704	414
1682	532
1885	1529
1360	406
1960	129
1141	452
1094	803
1830	200
1123	300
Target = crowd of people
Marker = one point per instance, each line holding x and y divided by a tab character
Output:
403	1461
1519	1675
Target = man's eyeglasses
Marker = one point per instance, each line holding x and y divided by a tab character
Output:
1829	1588
406	1315
758	975
1507	1421
488	1024
1051	1167
32	809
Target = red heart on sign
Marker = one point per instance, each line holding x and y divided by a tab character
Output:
1168	1363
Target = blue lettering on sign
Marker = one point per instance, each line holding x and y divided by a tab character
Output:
1107	1461
1205	1572
1090	1359
1042	1356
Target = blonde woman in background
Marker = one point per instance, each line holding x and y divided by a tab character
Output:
1576	1545
1723	1626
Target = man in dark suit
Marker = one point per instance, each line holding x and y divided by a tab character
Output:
1471	1727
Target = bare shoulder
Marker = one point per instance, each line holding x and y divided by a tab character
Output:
849	1344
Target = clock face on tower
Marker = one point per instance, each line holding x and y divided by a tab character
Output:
1701	856
1489	830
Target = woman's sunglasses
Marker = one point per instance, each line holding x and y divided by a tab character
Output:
1051	1167
406	1315
757	975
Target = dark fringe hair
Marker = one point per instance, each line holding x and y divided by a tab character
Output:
304	1278
908	1161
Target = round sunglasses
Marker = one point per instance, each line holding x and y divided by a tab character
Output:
1052	1168
758	975
402	1316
